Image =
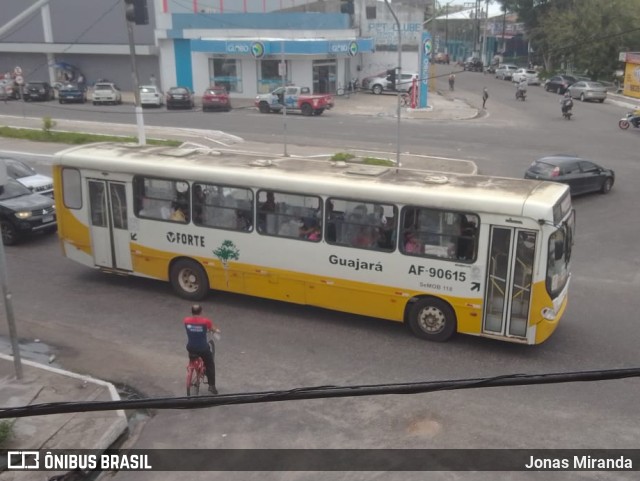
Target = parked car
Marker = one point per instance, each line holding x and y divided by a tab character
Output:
27	176
581	175
473	64
9	90
106	93
386	83
216	98
505	71
588	91
22	212
72	93
530	75
38	91
150	96
179	97
559	83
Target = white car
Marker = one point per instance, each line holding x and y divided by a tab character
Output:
27	176
106	93
506	71
530	75
150	95
381	84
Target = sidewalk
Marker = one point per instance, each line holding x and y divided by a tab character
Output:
42	383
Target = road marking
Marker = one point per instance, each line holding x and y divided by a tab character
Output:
30	154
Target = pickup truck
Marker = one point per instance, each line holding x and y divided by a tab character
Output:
297	99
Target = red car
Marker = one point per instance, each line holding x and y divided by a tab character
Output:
216	98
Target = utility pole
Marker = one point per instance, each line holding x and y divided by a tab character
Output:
398	79
136	12
6	295
283	72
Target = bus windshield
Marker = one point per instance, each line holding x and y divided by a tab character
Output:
560	243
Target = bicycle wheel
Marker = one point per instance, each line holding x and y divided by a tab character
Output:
340	92
193	381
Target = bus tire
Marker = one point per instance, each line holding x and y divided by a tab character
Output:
189	279
432	319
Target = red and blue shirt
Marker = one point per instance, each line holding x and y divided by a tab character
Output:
197	328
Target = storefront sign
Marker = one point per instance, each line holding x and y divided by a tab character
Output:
256	49
344	48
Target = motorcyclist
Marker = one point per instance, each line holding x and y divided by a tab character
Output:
566	103
521	88
635	118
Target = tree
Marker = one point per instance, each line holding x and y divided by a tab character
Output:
586	34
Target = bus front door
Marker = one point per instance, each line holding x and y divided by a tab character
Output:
109	226
509	281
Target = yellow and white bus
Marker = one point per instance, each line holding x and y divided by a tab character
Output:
486	256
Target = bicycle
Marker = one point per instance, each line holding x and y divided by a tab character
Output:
405	100
196	372
195	375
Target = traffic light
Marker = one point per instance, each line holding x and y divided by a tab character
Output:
346	6
136	11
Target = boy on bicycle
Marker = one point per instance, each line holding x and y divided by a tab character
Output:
197	328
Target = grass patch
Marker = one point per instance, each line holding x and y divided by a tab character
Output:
343	156
6	431
74	137
377	161
348	157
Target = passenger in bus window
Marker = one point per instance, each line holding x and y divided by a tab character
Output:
364	237
411	243
270	204
178	212
243	220
466	241
198	204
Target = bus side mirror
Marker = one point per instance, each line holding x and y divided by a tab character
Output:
559	250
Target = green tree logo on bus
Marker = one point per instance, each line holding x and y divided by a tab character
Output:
227	252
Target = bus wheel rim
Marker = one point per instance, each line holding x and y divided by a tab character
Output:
432	320
188	280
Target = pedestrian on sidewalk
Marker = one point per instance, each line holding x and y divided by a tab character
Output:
452	81
197	328
485	96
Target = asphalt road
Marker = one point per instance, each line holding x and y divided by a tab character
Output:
128	330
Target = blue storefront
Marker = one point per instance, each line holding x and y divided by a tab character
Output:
321	57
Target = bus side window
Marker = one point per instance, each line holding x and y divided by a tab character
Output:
363	225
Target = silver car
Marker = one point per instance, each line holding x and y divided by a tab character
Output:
588	90
506	71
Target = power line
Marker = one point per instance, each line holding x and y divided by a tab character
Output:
318	392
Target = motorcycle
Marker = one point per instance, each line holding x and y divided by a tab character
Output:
567	105
521	95
630	119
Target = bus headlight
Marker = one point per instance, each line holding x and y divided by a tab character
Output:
549	314
25	214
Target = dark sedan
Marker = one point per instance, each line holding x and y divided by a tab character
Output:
559	83
38	91
23	212
72	93
179	97
581	175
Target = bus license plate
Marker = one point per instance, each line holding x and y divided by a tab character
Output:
47	218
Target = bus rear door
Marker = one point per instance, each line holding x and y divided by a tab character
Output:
509	281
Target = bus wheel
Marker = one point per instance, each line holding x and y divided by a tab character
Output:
189	280
432	319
